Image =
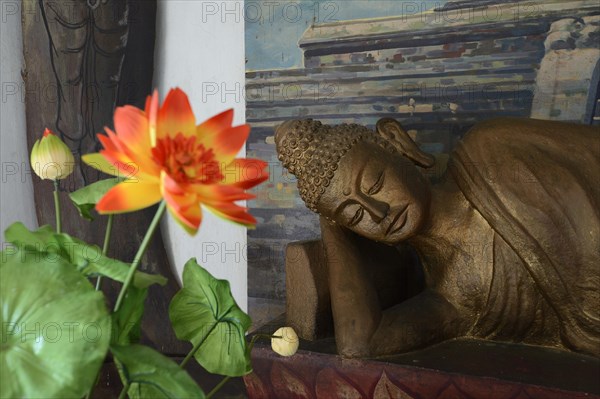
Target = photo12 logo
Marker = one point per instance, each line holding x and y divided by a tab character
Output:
70	14
270	11
50	332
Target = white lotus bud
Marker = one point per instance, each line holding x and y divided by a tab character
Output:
51	158
286	343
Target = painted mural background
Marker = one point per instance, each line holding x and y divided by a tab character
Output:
437	67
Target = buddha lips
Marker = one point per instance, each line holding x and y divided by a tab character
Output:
162	154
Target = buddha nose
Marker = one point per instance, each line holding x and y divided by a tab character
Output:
377	209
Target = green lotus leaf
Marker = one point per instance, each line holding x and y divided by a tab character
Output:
88	259
85	198
55	328
204	311
153	375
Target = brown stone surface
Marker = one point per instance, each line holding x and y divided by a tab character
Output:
508	238
308	307
262	310
459	369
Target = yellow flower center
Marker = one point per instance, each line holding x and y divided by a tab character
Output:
186	161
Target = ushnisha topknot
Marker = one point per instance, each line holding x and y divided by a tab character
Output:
312	152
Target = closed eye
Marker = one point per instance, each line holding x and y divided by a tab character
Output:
357	216
378	184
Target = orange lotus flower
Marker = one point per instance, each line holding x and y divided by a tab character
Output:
162	154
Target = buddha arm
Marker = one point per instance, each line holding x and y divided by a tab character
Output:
422	320
361	327
354	303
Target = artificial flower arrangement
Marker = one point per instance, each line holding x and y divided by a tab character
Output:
56	328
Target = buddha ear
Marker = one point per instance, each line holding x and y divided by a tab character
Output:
391	130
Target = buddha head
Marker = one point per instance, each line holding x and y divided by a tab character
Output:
365	181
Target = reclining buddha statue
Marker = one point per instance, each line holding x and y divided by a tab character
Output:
508	238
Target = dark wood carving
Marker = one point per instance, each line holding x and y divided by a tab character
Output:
83	58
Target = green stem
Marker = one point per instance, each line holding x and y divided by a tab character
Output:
227	378
140	253
196	347
266	336
109	225
256	337
57	206
217	387
123	393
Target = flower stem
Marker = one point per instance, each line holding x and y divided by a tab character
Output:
140	253
227	378
196	347
107	233
266	336
217	387
57	206
109	225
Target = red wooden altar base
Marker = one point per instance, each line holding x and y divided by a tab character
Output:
456	369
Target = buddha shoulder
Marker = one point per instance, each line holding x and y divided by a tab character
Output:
507	129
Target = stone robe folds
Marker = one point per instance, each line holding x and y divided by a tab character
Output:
537	184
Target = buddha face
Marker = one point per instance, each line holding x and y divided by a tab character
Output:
376	194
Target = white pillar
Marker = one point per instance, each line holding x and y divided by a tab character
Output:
16	187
